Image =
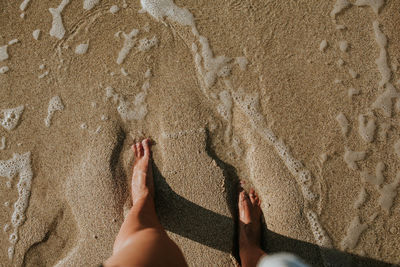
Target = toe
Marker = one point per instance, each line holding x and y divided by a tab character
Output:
241	196
134	150
146	146
139	148
253	196
244	204
257	200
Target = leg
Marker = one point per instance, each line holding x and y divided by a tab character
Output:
142	241
250	251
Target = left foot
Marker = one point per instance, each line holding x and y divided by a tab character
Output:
249	221
142	178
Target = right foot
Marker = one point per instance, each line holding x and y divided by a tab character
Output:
249	221
142	178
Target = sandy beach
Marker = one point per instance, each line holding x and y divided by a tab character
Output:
300	99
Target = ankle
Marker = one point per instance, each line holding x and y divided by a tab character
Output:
251	255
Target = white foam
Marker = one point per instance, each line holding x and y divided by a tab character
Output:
42	66
4	69
146	44
340	27
137	110
338	7
145	86
166	8
323	157
104	117
124	72
10	252
98	129
3	52
212	67
128	44
393	230
110	93
81	49
323	45
353	73
3	143
320	236
224	108
374	4
382	61
366	129
376	179
384	100
249	104
242	62
114	9
89	4
337	81
44	74
9	168
351	157
343	123
396	148
388	194
353	233
55	104
343	46
361	198
13	41
352	91
147	74
24	4
57	28
10	117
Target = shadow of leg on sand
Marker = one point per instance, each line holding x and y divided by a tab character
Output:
187	219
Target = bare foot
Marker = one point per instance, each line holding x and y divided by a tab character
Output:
142	179
249	228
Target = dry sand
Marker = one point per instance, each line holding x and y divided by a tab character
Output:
227	90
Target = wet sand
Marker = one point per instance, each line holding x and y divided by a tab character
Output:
227	90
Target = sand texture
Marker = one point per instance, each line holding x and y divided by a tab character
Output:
301	99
